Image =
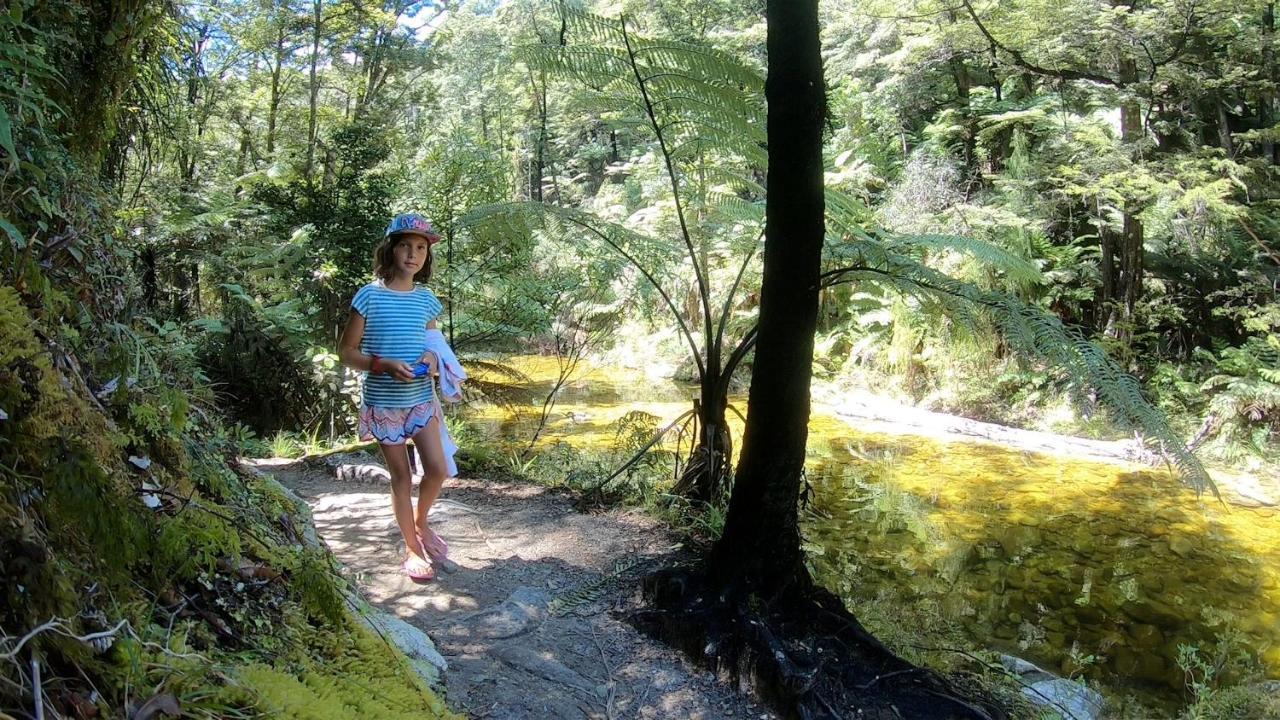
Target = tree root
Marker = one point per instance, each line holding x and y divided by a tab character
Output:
798	649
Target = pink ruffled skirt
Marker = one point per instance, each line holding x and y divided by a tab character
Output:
393	426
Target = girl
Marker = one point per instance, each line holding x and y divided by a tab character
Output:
385	336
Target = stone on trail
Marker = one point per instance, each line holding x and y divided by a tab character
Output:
1068	698
364	472
521	612
549	669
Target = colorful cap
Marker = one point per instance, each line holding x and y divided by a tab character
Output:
412	223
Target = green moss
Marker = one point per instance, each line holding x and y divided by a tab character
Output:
364	679
1255	702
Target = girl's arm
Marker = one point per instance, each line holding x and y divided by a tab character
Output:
350	355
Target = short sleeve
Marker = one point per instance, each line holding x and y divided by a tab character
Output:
360	303
434	306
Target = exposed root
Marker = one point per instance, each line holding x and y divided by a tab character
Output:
798	649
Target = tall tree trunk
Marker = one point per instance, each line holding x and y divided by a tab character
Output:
273	105
150	283
1267	103
246	148
315	88
97	78
751	610
964	83
540	150
1122	252
761	540
1224	127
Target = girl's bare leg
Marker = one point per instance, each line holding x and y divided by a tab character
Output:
434	468
397	459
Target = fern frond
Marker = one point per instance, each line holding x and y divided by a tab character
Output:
710	64
702	100
735	209
734	179
992	256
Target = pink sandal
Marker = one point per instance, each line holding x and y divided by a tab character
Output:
412	567
434	546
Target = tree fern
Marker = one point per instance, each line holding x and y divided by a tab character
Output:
698	102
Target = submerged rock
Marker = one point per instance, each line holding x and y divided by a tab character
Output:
1068	698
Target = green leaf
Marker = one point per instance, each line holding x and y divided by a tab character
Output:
6	137
12	232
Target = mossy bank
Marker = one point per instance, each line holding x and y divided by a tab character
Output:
145	572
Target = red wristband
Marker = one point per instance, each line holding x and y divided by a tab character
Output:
373	364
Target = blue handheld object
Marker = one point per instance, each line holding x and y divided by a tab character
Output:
420	369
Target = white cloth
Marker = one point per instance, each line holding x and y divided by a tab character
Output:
451	373
450	389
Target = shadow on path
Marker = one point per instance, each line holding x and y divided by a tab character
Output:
529	621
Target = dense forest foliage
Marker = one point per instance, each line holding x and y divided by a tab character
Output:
1125	151
190	195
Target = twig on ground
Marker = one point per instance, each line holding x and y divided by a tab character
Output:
57	625
484	537
608	701
878	678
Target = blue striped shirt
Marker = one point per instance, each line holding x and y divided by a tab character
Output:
395	328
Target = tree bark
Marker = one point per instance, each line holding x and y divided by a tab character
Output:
1122	252
1224	128
761	539
539	88
273	106
1267	103
315	88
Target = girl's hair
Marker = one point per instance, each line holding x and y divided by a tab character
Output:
384	259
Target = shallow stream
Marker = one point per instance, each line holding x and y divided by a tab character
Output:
1088	568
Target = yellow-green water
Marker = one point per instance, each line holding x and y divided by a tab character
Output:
1087	567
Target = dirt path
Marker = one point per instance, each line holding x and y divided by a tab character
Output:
528	620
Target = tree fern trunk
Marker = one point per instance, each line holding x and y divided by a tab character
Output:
751	611
706	475
761	540
1267	103
317	9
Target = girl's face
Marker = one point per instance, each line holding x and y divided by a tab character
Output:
411	254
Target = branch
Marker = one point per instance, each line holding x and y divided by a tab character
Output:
1022	62
728	301
57	625
675	184
744	346
1178	47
